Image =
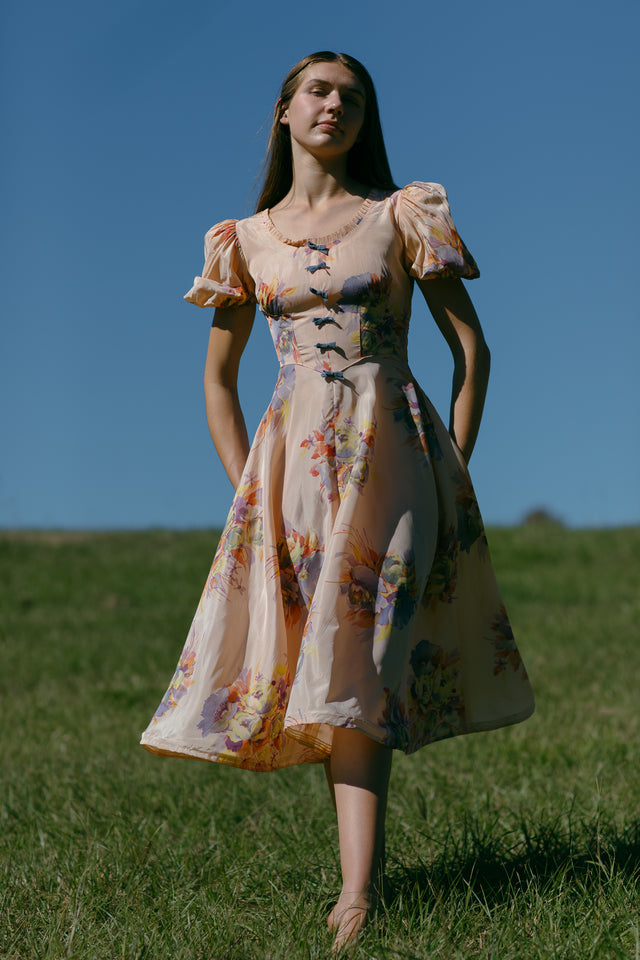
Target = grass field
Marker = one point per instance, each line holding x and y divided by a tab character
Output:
521	843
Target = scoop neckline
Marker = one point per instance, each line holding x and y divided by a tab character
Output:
329	237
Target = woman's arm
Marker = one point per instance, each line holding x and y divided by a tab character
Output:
228	338
456	317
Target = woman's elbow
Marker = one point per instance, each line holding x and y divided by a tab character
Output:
472	351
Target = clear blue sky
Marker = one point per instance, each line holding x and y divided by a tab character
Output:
130	127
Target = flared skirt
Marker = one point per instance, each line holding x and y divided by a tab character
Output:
352	586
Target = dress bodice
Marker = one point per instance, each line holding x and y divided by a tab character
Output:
334	300
340	298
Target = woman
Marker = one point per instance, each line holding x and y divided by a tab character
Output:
351	607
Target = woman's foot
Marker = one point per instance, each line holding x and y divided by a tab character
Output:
348	918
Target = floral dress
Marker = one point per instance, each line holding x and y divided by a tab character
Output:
352	584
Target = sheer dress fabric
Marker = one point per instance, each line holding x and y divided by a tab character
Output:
352	585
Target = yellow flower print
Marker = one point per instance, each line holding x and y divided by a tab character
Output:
249	714
272	297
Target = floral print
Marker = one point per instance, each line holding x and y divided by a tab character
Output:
354	558
340	455
359	582
380	589
248	714
278	412
272	298
441	584
432	244
284	339
181	680
299	559
354	453
470	526
241	537
410	410
507	655
379	330
321	446
434	699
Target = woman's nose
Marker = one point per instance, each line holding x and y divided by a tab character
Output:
335	105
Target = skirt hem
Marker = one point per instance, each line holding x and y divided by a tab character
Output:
168	748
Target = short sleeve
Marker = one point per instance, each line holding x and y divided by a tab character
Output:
432	245
225	280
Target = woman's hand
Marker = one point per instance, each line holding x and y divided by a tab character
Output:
456	317
227	340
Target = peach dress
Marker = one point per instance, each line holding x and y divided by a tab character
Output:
352	585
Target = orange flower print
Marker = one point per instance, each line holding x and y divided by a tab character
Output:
381	589
223	234
321	445
298	564
359	582
272	297
340	454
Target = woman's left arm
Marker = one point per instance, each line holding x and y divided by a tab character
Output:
453	311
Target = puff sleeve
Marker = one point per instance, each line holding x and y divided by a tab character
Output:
225	280
432	246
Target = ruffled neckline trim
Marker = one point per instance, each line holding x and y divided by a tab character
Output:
338	234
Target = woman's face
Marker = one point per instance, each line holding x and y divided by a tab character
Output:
326	113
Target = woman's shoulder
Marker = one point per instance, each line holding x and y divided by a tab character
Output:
221	233
235	237
421	187
419	202
228	230
418	192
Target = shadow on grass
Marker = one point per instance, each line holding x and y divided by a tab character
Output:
493	864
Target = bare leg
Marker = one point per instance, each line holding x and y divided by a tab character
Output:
359	772
328	775
332	792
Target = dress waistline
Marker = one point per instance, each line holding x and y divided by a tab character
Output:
340	368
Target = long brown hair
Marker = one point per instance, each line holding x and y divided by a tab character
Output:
367	161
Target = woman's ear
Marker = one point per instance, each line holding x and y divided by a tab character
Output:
284	119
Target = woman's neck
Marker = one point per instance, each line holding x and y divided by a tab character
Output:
319	183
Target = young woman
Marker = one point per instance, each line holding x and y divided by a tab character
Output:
351	607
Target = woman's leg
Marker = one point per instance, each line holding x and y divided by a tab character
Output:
358	772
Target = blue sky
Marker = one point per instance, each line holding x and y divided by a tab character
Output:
131	127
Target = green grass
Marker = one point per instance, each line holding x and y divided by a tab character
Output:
521	843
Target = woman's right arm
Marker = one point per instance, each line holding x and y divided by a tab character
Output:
227	340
